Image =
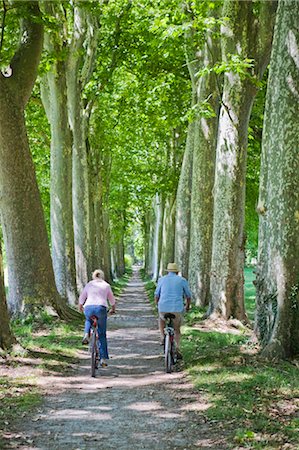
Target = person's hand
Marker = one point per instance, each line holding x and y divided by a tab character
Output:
112	310
81	308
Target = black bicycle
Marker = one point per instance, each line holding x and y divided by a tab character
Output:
170	353
94	345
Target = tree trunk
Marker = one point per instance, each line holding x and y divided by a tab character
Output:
6	337
54	96
78	74
205	138
167	252
278	263
30	271
243	35
146	239
183	202
157	235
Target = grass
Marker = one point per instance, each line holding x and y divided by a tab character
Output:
255	402
18	397
249	293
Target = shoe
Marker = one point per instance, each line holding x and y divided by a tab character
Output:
179	354
85	339
103	362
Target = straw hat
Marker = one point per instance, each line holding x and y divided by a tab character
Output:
172	267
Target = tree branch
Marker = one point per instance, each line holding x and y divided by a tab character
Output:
25	61
3	25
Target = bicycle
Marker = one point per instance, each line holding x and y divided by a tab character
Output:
170	353
94	345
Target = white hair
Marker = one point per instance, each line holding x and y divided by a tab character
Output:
98	275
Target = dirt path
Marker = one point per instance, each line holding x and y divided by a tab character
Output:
132	404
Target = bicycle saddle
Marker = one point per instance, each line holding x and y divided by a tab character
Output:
169	316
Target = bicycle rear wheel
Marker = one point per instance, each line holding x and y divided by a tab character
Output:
167	354
94	354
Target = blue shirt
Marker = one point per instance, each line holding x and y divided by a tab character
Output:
171	291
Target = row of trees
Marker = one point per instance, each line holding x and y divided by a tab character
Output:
81	59
209	246
148	106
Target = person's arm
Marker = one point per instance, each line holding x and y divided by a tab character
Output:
82	299
158	293
112	301
188	303
187	294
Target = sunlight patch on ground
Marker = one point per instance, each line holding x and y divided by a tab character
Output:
196	406
71	414
145	406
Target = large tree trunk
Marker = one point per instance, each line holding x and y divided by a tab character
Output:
183	205
167	251
278	261
30	271
6	337
243	35
146	239
205	138
157	235
54	96
78	74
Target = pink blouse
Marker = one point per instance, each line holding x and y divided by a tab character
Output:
96	293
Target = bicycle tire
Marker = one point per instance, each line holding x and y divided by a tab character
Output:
94	354
168	355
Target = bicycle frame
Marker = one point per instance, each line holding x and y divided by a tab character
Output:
169	343
94	345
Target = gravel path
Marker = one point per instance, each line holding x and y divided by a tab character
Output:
132	404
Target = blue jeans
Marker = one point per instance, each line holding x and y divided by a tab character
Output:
101	313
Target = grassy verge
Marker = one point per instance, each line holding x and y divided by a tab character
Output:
150	287
18	397
254	403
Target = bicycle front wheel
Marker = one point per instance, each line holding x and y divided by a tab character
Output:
94	354
167	354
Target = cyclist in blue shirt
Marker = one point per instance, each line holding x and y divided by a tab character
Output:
169	296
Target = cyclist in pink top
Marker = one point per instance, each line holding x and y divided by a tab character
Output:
94	301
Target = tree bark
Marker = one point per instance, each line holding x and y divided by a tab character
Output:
6	337
157	206
78	74
277	283
30	271
183	201
167	251
54	96
202	202
243	35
